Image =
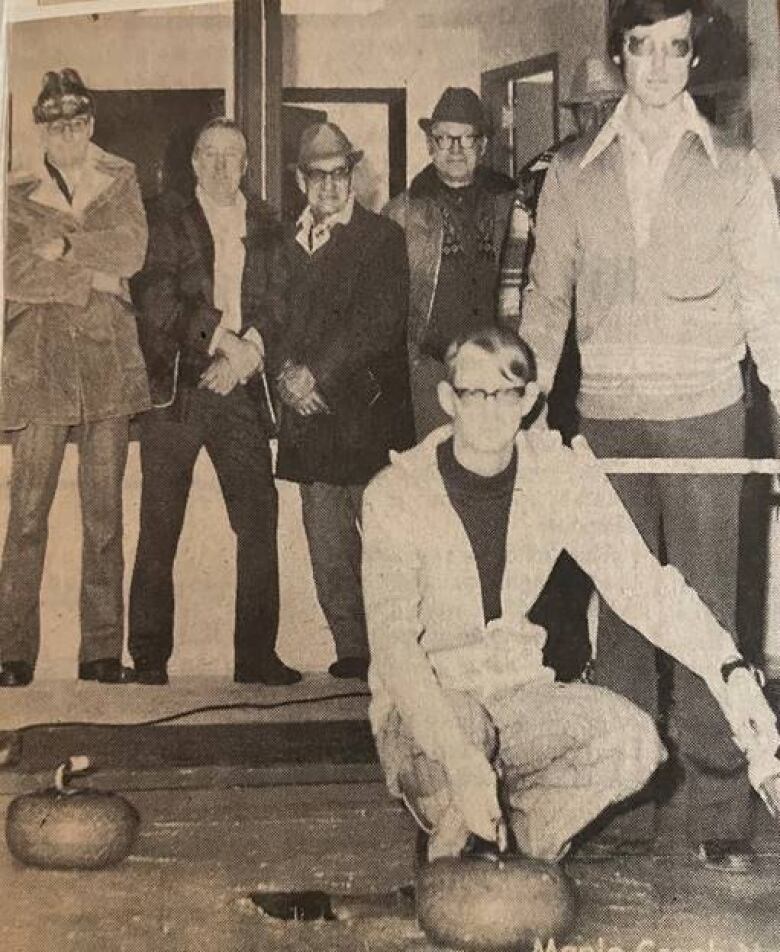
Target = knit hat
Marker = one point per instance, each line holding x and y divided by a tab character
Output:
596	79
324	140
458	104
63	95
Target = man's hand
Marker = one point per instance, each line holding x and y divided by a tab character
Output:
245	358
220	377
474	791
51	250
298	389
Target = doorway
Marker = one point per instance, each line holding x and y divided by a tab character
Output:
522	100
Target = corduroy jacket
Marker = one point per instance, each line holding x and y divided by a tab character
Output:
71	352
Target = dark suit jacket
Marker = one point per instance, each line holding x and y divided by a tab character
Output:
175	294
346	321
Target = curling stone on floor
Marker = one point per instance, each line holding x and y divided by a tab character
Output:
68	828
501	904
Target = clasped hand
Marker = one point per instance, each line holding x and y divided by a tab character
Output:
298	390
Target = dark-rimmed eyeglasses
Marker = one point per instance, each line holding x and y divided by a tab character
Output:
503	397
444	142
646	46
338	176
77	126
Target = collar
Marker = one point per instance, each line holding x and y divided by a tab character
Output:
306	221
689	119
96	175
223	218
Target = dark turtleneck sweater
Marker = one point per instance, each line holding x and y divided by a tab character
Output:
483	504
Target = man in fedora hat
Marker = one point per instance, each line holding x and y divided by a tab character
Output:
342	373
72	370
456	216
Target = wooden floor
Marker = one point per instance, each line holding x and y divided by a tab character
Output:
212	835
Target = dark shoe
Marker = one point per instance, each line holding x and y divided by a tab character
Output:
106	671
15	674
350	668
727	856
151	674
274	671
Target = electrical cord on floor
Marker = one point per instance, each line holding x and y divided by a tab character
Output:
191	712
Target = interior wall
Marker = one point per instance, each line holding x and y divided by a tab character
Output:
427	47
118	51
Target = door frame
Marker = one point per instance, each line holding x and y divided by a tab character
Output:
546	63
394	98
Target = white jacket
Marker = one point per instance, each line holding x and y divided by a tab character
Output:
422	591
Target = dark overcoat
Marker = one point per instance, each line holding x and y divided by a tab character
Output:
345	320
175	296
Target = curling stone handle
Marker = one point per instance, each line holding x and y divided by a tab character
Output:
76	764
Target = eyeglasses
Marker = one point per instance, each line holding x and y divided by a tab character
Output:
77	126
466	141
645	46
338	176
504	397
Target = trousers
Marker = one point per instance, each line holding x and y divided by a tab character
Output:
230	430
38	451
560	759
691	522
331	515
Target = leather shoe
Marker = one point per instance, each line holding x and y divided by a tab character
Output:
350	667
273	671
106	671
15	674
151	674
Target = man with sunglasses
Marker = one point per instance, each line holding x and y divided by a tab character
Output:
456	215
342	373
460	534
666	234
72	370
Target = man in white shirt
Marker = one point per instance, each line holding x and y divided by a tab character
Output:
460	534
210	297
666	233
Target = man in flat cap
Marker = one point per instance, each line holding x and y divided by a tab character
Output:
72	369
342	374
210	294
456	215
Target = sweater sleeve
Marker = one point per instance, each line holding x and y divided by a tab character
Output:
118	249
755	252
652	598
547	300
392	596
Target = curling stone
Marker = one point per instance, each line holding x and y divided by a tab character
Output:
494	905
67	828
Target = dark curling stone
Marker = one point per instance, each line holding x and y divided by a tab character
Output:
65	828
494	905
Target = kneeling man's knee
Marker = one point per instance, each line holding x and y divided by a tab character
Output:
641	750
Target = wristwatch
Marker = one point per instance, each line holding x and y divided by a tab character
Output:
730	666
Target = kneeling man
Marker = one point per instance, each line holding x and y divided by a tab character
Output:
460	535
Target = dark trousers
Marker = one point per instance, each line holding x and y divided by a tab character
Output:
38	451
330	517
229	428
693	523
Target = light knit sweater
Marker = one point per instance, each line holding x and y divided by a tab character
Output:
422	592
661	326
